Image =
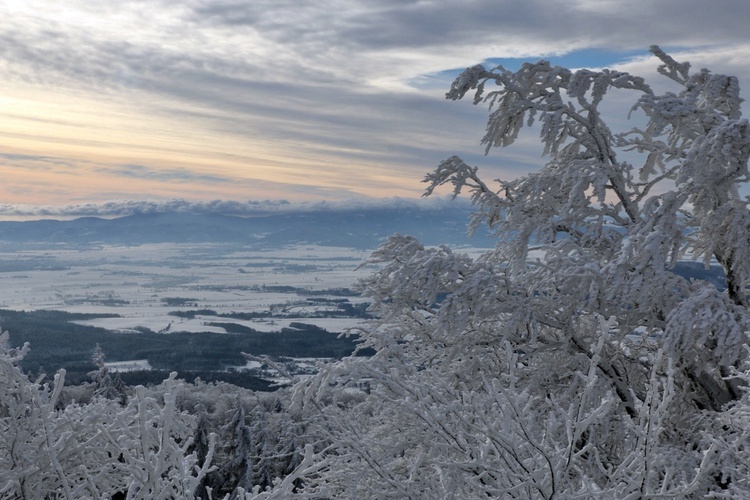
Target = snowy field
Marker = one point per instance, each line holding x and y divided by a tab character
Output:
128	366
142	284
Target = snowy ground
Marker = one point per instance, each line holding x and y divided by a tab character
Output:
135	283
128	366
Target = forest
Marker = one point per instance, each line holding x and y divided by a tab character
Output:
57	342
569	361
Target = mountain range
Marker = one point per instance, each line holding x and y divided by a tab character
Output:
363	228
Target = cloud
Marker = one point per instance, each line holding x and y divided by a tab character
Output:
15	157
229	45
35	162
343	92
160	174
120	208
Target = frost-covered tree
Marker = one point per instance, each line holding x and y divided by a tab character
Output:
100	449
238	441
608	239
278	443
48	451
155	439
105	385
573	359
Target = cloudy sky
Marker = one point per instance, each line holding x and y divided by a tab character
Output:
111	104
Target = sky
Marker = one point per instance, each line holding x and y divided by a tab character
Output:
110	107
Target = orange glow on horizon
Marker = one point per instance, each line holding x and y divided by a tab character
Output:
63	148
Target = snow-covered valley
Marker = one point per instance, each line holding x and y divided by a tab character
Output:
179	306
141	285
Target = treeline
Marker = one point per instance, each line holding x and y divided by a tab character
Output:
156	377
337	308
332	292
57	343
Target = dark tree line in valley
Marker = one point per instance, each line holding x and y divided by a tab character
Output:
57	343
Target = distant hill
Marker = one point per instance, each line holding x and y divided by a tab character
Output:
362	228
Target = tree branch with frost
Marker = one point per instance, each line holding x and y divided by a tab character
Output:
537	89
590	368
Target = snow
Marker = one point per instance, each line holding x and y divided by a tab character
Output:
133	282
132	365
